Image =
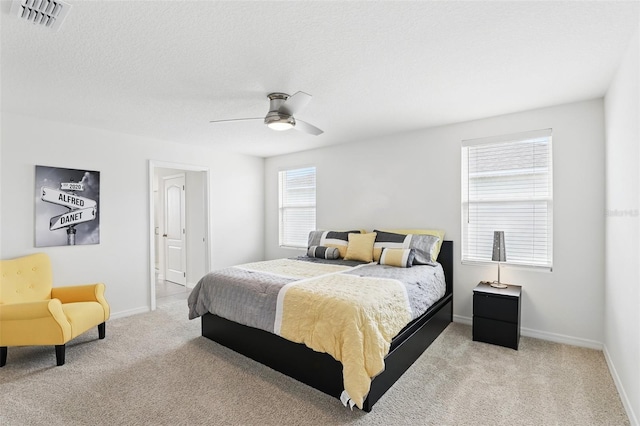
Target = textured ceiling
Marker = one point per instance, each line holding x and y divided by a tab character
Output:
165	69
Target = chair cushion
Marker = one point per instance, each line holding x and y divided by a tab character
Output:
83	316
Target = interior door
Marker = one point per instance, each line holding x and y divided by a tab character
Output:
174	234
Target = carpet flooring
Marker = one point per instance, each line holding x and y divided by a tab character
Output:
156	369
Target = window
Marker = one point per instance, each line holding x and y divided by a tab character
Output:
297	206
507	186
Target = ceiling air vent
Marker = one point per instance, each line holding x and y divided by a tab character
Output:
43	13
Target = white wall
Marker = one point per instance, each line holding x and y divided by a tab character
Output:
413	180
622	290
121	260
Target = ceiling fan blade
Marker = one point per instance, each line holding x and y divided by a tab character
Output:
295	103
236	119
303	126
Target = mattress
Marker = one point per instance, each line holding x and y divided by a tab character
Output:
248	293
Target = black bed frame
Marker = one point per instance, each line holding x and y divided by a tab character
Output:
321	370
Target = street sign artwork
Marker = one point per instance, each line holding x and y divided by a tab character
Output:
72	186
67	199
67	206
72	218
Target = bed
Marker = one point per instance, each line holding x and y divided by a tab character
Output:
319	369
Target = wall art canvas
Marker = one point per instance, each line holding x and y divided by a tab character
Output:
67	206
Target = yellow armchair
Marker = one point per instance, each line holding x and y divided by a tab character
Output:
32	312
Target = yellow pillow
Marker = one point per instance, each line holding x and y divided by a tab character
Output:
360	247
334	239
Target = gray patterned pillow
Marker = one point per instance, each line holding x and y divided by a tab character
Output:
402	258
423	245
337	239
323	252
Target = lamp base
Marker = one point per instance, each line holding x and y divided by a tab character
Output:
498	285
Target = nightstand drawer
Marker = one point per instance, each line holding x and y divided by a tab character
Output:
496	307
496	332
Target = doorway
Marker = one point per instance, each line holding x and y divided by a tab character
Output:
179	229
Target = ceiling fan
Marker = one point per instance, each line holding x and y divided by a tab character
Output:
282	107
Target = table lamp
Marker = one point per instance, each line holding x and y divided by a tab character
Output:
499	255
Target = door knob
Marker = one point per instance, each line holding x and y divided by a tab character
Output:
164	235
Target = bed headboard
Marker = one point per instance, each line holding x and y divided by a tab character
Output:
445	258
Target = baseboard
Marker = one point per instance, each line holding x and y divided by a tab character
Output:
633	419
561	338
544	335
462	320
128	313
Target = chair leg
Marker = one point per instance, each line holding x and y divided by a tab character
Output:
101	330
3	356
59	355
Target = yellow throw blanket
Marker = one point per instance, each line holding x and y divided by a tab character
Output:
349	317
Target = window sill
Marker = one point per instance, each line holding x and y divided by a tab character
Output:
293	247
508	265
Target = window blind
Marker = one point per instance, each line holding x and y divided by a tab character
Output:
297	206
507	186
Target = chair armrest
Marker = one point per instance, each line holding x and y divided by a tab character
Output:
82	293
34	323
33	310
78	293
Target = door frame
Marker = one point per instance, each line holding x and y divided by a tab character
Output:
153	165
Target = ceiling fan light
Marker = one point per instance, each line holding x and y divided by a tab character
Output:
279	126
280	122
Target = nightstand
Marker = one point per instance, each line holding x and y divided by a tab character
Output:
496	315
